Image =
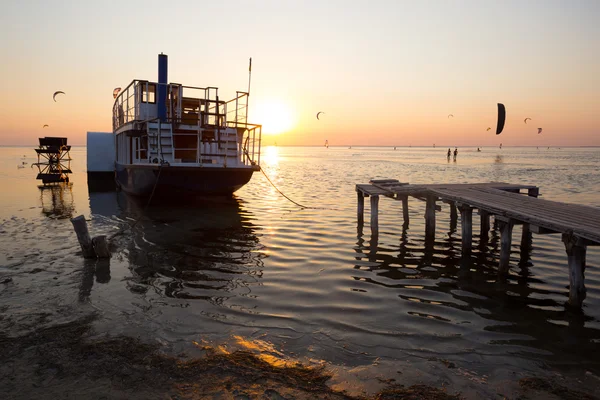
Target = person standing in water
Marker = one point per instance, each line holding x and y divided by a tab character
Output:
449	153
455	153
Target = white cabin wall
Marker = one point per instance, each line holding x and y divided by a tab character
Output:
100	151
147	111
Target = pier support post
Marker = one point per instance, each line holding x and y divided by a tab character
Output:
405	210
360	211
453	212
83	235
484	228
525	243
430	217
576	254
453	216
466	223
374	215
506	229
535	192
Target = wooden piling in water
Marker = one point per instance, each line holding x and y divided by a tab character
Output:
405	210
506	228
453	212
101	246
466	224
526	238
83	235
430	217
375	215
576	250
360	211
484	226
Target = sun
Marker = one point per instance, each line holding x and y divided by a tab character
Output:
274	116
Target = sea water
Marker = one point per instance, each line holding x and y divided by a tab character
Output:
312	282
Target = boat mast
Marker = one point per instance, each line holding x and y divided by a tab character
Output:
249	79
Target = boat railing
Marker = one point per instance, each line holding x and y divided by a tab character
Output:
238	108
195	105
124	107
250	141
137	102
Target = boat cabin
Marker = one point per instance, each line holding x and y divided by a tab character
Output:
183	125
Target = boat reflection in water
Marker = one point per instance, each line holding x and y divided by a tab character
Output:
57	200
206	249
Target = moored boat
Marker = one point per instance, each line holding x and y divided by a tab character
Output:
171	139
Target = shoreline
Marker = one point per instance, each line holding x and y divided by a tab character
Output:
70	358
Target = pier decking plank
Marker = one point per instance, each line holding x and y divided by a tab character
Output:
582	221
407	189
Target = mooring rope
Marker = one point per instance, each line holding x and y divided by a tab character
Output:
280	192
298	204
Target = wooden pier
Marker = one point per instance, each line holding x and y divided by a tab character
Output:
510	205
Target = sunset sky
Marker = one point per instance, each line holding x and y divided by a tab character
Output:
383	72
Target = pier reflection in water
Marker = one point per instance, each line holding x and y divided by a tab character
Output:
437	283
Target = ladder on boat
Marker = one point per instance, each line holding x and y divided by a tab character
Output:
160	141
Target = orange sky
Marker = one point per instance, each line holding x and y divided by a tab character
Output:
384	73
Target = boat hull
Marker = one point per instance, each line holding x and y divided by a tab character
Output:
140	180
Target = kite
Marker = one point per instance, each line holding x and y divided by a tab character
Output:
45	126
501	118
489	127
539	130
116	92
55	93
450	115
526	119
320	112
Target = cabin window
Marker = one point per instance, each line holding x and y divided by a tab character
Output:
148	93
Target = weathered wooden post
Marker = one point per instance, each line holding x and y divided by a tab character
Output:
533	192
466	223
81	229
374	215
101	246
506	228
430	217
405	209
525	242
576	249
484	228
360	211
453	213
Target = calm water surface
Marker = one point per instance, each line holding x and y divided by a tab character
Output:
311	282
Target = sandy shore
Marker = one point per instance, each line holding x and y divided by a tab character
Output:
70	361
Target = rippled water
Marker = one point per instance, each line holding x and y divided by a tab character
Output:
311	281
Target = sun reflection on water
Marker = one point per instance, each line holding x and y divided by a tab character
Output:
271	156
